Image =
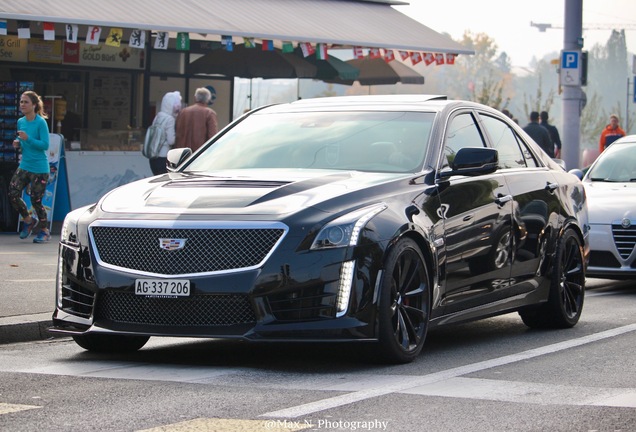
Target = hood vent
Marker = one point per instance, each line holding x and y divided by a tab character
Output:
226	183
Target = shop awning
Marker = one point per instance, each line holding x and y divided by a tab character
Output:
365	23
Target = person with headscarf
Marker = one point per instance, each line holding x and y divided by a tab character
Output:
166	118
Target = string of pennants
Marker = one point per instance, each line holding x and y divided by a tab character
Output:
138	40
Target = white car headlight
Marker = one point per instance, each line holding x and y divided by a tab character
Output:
345	230
68	233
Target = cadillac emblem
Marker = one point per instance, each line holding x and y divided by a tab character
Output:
626	223
171	244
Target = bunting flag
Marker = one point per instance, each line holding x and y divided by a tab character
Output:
357	52
249	42
227	41
450	58
3	27
404	55
439	58
416	57
321	51
48	31
71	33
306	48
183	41
92	35
429	58
161	41
288	47
114	37
268	45
24	29
137	39
389	55
375	53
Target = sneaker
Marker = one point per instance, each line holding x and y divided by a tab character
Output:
27	228
42	237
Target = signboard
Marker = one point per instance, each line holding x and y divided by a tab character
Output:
570	68
103	56
13	49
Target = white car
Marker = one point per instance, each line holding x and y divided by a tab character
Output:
610	186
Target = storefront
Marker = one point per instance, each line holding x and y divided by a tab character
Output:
102	97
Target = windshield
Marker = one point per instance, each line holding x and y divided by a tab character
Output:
616	164
363	141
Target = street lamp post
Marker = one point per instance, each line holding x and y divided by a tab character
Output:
572	93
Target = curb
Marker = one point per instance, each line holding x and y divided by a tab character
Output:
25	328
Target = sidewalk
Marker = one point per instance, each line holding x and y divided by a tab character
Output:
27	287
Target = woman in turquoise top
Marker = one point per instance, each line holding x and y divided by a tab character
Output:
33	139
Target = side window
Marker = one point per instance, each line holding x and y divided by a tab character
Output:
527	154
462	132
505	142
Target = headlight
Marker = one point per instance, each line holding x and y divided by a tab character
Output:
345	230
68	233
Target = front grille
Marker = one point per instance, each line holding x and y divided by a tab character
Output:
625	239
77	300
205	250
201	310
308	303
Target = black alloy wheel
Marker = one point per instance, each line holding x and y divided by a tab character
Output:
404	303
567	291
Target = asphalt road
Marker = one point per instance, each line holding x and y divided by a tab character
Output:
490	375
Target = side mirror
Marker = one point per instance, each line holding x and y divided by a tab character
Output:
176	157
472	161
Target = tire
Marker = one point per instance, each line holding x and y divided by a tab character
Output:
107	343
404	304
567	290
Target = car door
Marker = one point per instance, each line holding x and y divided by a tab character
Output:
536	206
477	215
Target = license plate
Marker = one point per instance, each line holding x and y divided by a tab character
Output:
162	287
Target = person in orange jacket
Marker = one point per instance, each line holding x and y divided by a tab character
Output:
611	133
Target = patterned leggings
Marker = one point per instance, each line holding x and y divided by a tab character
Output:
20	180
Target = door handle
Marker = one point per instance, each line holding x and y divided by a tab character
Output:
503	199
550	187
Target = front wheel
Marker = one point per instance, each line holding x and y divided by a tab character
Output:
404	304
567	291
107	343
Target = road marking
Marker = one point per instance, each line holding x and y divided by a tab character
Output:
6	408
414	382
528	393
230	425
30	280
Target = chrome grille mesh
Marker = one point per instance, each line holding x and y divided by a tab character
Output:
625	239
202	310
205	250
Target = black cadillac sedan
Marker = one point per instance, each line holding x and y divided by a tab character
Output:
361	219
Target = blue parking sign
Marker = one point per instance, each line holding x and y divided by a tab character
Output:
570	60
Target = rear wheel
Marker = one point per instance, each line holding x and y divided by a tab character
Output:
107	343
404	304
567	292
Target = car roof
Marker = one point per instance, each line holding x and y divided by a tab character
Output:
627	139
404	102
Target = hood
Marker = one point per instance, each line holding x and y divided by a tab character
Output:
257	192
171	103
609	202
